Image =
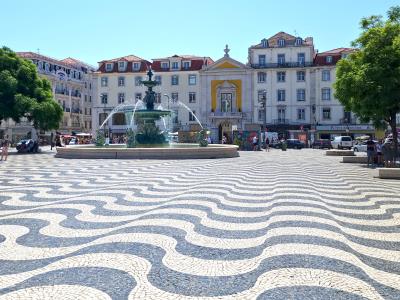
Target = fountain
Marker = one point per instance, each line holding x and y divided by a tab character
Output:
144	137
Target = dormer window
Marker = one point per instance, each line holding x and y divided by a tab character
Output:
281	43
299	41
109	67
264	43
164	65
175	65
186	65
121	66
136	66
329	59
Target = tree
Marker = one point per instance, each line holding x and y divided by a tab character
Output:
368	81
24	94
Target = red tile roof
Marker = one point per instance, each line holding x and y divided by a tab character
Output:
196	62
130	59
336	54
67	62
290	40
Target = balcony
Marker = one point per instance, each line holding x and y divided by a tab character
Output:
225	115
76	110
281	122
282	65
347	121
66	109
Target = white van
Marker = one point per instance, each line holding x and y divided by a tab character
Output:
342	142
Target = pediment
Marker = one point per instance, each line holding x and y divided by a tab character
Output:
226	63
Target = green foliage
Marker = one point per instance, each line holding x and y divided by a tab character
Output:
368	81
238	142
100	138
24	94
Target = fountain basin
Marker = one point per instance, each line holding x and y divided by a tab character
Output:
176	151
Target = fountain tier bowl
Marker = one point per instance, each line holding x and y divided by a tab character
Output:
175	151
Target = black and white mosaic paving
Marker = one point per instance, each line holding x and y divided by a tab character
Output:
277	225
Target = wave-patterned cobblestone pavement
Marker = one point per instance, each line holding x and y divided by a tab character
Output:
278	225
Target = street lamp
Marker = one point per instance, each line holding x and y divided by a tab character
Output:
264	103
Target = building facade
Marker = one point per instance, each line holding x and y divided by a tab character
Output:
285	87
71	82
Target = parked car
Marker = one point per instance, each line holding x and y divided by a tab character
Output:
321	144
361	146
342	142
26	146
291	144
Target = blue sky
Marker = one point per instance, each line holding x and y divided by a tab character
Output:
93	30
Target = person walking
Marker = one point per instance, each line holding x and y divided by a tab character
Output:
370	152
4	149
255	143
379	153
267	144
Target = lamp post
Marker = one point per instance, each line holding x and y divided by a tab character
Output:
264	103
169	119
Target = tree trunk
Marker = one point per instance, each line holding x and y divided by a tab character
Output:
394	134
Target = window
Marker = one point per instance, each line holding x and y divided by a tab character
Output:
264	43
192	79
121	98
109	67
158	79
157	98
174	96
281	76
85	111
192	97
104	81
136	66
281	95
186	65
175	65
226	102
261	115
102	118
138	96
281	43
90	111
164	65
90	98
301	95
326	75
85	98
174	80
261	76
299	41
104	98
326	113
301	58
301	114
326	94
261	60
138	80
301	76
262	97
121	81
281	115
118	119
281	59
121	65
191	116
329	59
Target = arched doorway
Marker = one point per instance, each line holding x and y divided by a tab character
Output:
225	129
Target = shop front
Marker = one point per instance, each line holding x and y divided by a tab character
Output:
330	131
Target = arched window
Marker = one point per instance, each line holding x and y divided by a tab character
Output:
119	119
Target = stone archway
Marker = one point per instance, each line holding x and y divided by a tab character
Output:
225	129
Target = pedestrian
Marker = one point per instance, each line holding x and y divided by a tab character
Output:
255	143
267	144
379	153
370	152
4	149
386	153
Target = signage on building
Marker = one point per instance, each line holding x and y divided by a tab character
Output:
61	75
344	127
